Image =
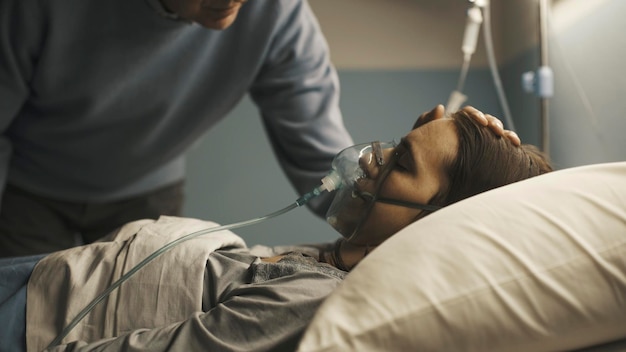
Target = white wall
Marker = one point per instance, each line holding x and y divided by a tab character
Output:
588	52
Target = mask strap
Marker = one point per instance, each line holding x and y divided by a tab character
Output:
379	158
385	169
384	172
378	153
402	203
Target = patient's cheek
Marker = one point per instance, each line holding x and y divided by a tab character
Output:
385	221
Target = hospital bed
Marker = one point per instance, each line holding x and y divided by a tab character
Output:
539	265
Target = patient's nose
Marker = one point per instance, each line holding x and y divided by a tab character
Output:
372	164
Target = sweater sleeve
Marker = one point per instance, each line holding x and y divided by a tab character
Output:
297	91
21	38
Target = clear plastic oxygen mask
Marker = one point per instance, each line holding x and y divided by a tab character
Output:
351	204
355	196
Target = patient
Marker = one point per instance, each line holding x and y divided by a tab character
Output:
213	293
441	161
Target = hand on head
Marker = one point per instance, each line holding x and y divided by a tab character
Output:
492	122
484	119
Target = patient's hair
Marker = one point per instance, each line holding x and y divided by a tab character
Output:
486	161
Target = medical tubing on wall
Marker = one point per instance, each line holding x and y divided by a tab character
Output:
543	99
468	47
472	31
494	68
470	39
463	75
299	202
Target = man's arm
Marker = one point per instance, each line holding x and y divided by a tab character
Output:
297	92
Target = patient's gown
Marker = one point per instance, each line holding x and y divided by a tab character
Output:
232	302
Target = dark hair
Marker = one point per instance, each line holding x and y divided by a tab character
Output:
486	161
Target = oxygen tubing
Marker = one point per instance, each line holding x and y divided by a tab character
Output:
494	68
299	202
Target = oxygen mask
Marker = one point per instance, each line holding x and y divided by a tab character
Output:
357	175
352	201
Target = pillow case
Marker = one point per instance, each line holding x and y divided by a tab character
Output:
538	265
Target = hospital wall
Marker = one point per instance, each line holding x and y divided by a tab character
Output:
587	51
399	58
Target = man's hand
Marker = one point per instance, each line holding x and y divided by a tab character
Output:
492	122
484	119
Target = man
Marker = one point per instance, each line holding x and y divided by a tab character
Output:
99	101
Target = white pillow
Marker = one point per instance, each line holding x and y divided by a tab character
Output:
539	265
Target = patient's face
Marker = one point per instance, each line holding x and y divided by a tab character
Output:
415	173
214	14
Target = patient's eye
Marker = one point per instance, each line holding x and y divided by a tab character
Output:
403	161
403	157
